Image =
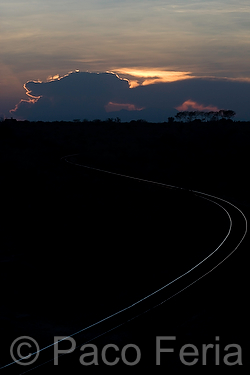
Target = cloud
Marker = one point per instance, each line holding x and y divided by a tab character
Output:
92	96
113	107
148	76
74	95
192	105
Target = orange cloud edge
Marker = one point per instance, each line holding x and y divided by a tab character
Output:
136	77
192	105
143	77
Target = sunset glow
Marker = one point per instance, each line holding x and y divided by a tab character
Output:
53	78
144	77
32	99
192	105
58	77
151	44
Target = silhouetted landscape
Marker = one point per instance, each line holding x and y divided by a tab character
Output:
124	152
78	245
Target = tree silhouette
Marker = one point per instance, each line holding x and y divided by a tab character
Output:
226	113
188	116
171	120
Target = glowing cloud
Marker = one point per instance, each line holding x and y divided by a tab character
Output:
75	95
192	105
146	77
57	77
112	107
53	78
32	99
93	95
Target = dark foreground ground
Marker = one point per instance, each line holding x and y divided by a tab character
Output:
78	245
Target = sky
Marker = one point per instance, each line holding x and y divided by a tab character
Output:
195	53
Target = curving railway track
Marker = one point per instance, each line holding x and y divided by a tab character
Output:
237	229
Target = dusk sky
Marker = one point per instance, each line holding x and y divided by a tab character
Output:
192	54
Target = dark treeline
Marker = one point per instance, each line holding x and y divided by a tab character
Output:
194	153
182	116
188	116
